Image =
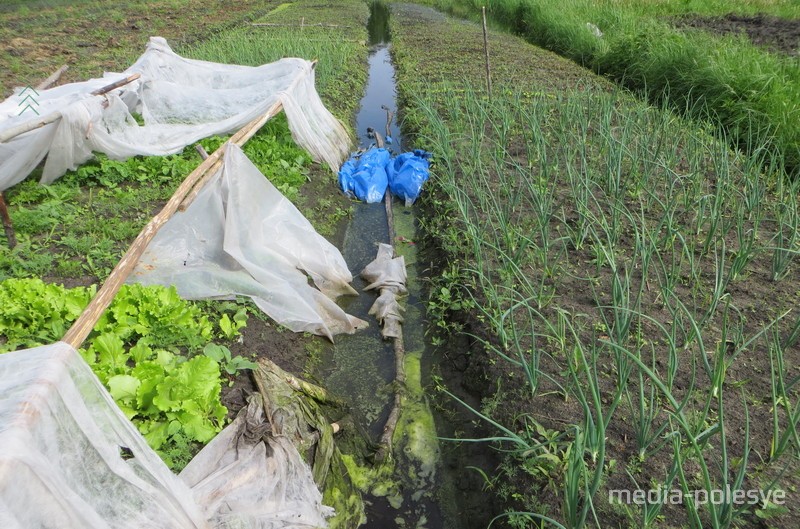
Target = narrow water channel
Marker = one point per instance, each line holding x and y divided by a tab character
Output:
360	367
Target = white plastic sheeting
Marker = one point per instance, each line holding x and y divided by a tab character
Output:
241	236
180	100
387	274
61	466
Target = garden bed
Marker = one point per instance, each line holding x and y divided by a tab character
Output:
607	306
74	231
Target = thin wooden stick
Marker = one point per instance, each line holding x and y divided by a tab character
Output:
486	51
268	24
117	84
54	77
7	226
22	128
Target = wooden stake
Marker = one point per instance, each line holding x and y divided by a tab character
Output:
389	117
54	77
117	84
7	226
486	51
201	151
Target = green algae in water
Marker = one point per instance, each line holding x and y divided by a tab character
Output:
416	431
339	493
378	481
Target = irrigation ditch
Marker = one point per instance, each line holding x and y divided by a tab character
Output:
419	491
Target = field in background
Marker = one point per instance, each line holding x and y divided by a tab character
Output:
36	38
753	95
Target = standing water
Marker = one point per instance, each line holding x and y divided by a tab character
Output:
361	367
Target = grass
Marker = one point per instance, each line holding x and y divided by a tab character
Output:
340	51
620	270
746	91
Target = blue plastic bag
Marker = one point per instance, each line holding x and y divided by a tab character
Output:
407	173
365	177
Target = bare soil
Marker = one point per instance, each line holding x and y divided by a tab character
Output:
773	33
93	37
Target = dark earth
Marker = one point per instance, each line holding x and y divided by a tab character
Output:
773	33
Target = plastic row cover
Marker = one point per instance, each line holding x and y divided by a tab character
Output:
387	274
367	175
241	236
180	100
61	465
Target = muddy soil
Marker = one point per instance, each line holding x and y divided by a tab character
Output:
773	33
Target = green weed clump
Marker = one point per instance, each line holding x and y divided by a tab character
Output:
752	95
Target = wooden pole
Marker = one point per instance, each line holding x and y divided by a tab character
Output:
196	179
54	77
7	226
86	321
385	445
486	51
28	126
